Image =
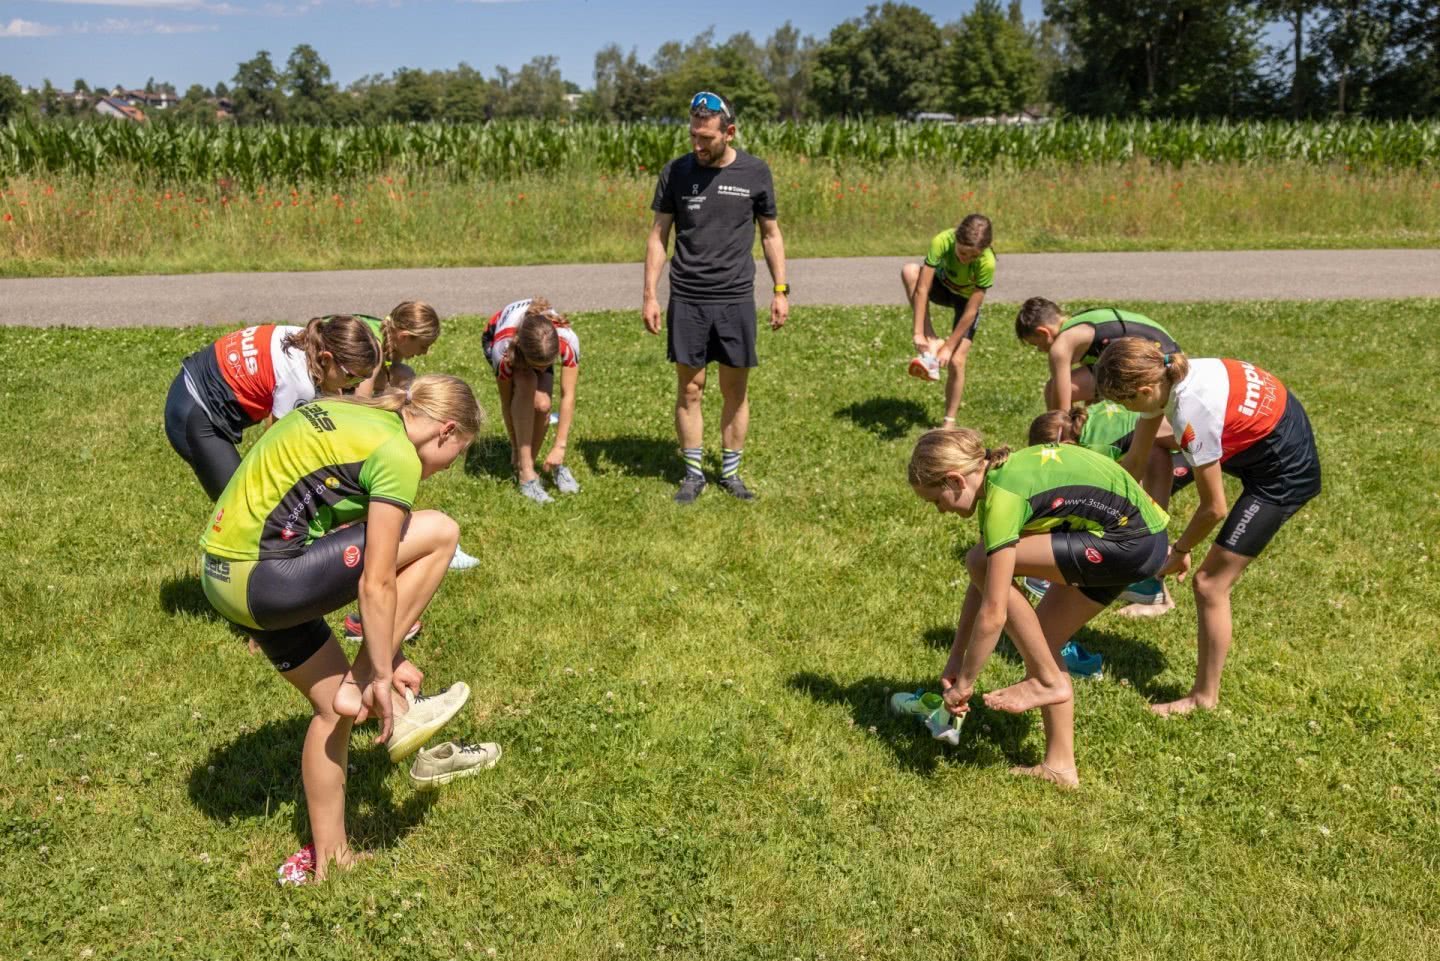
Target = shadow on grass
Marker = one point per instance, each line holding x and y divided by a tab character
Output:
183	595
632	455
985	731
259	772
889	418
1125	657
489	458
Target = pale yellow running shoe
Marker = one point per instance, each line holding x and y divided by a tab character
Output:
445	762
427	715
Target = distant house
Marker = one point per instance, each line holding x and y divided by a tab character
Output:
119	109
932	117
157	100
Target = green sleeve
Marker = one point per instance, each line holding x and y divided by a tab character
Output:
1002	517
942	244
985	270
392	473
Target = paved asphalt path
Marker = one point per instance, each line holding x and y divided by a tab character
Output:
235	299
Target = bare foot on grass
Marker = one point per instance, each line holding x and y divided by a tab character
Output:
342	860
1069	780
1187	704
1027	695
1148	610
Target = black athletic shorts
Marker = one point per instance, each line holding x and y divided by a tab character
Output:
701	334
1279	474
282	601
210	454
942	296
1103	567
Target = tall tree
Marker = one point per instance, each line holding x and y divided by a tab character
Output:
624	86
991	63
788	63
1353	34
1410	82
12	100
887	62
257	94
1161	58
307	81
415	97
538	90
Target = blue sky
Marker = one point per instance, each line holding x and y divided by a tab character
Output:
200	41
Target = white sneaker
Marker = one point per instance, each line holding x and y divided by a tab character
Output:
445	762
426	716
463	561
565	481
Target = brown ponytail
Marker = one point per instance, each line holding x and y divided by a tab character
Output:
414	317
536	344
941	452
1059	426
439	397
1131	363
347	339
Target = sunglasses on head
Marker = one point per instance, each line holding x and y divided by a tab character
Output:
705	100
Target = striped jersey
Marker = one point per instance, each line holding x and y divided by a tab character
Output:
319	467
503	326
247	376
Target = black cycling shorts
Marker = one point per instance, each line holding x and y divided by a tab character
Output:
942	296
210	454
1279	474
701	334
1102	567
282	601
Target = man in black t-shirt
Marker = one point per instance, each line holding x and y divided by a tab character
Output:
713	198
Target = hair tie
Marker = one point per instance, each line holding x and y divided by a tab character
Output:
407	395
387	318
1167	359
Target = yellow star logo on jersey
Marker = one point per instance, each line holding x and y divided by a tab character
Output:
1048	454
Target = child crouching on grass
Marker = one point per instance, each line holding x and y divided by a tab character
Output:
958	269
522	342
408	331
1068	515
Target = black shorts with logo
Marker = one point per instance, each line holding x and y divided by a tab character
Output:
1102	567
942	296
701	334
282	601
1279	474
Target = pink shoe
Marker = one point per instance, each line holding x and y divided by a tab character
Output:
297	868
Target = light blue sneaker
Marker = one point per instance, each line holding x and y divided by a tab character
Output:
1036	587
1148	591
1080	662
928	708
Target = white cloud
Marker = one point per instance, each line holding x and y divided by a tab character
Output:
26	28
205	5
113	25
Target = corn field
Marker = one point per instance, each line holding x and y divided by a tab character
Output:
180	154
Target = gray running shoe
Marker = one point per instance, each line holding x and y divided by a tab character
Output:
463	561
565	481
445	762
736	488
535	490
690	488
426	716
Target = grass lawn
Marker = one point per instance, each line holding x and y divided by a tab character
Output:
71	227
698	762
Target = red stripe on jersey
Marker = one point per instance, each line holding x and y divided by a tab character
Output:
567	354
245	363
1252	409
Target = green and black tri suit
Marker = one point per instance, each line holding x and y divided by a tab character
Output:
1110	428
1110	324
272	564
1106	532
